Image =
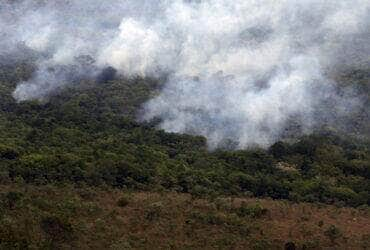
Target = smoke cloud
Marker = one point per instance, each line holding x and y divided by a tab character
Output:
238	70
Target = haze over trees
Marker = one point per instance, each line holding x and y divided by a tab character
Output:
88	134
184	124
87	137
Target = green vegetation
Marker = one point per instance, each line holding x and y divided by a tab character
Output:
333	233
87	135
77	171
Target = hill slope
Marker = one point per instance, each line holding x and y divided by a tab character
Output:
83	218
88	134
78	170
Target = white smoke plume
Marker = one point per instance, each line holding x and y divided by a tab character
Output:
237	69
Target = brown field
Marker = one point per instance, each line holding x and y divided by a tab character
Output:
66	217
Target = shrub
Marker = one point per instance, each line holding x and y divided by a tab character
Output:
289	246
57	229
253	211
333	233
208	218
262	244
123	201
12	198
153	211
8	153
279	149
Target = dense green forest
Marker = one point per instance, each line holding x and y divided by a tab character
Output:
87	134
184	124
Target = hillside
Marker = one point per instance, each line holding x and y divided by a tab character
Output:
184	124
88	133
79	170
49	217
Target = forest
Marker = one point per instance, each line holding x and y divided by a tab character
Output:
86	138
88	134
184	124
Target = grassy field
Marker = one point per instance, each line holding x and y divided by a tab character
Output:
51	217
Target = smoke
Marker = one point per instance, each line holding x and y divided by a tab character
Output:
238	70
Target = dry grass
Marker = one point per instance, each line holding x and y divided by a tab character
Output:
178	221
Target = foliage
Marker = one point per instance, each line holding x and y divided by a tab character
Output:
254	210
333	233
123	201
88	134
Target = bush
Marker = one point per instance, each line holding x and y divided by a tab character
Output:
253	211
123	201
8	153
207	218
12	198
58	230
153	211
333	233
279	150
